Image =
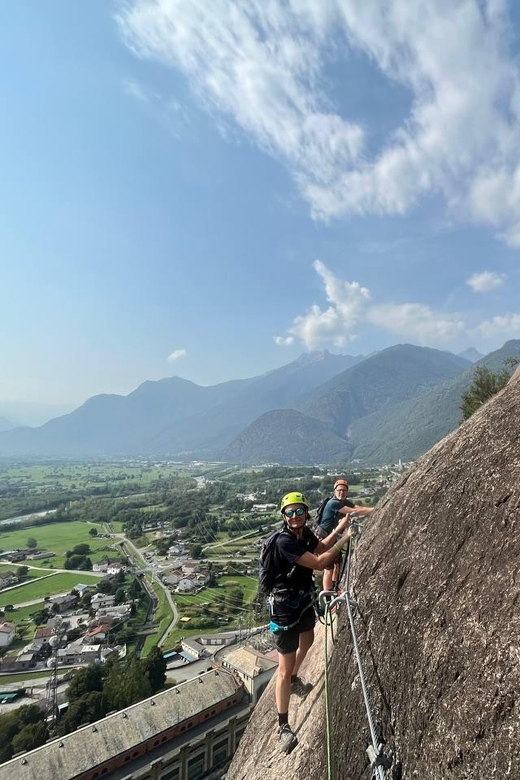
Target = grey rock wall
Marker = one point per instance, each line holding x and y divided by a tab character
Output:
437	579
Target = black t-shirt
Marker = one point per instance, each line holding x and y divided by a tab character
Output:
288	549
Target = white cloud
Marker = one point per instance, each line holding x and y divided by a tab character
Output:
507	326
261	63
486	281
350	305
176	354
335	324
284	342
416	321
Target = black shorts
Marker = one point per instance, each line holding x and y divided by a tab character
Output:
288	641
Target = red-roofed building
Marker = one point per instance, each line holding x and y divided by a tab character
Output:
97	634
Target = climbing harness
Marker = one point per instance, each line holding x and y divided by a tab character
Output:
380	762
270	601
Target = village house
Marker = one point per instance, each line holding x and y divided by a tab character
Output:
7	633
39	648
43	632
82	589
24	660
121	611
171	579
7	578
186	584
64	603
100	567
115	568
16	556
78	653
102	600
96	635
190	567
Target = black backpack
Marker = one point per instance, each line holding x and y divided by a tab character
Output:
321	509
266	572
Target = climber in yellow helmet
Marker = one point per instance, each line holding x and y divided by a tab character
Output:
296	553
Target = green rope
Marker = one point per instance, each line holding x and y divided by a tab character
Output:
327	714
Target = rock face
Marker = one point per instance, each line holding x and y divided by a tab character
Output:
437	580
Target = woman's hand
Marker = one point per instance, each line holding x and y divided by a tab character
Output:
344	523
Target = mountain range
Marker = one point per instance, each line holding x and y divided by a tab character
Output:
6	425
319	408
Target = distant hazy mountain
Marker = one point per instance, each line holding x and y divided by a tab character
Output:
319	408
209	430
412	427
388	377
287	436
6	425
174	415
471	354
113	424
378	383
22	413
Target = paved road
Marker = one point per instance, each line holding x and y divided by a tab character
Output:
140	562
51	571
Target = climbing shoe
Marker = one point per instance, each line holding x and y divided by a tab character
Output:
287	738
301	688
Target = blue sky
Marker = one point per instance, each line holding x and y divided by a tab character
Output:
211	192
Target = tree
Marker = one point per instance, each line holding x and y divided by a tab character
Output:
24	721
85	680
126	684
81	549
87	709
93	532
196	551
79	562
40	617
235	598
22	571
32	543
120	596
31	736
55	608
134	591
484	386
155	665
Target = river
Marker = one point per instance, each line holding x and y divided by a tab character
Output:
21	518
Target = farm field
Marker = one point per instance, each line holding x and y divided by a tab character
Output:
55	583
22	614
72	476
31	574
55	537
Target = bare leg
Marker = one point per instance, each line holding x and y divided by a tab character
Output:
306	640
286	663
327	579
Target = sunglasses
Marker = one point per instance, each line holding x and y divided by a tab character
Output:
298	512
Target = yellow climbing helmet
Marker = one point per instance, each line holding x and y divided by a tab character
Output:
293	498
